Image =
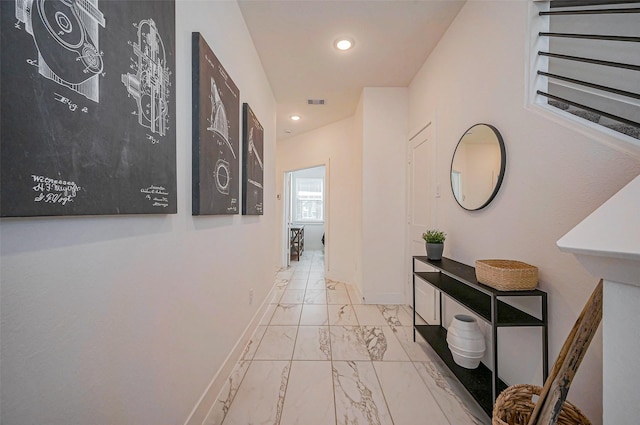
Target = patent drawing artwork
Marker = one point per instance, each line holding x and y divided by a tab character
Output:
216	133
219	125
253	167
65	34
86	108
150	84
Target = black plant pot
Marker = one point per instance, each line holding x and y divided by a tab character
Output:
434	250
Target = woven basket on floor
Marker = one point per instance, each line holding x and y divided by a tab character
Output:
507	275
515	405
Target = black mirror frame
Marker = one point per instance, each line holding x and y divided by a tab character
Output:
503	164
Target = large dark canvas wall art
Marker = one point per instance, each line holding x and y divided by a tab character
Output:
87	108
216	134
253	167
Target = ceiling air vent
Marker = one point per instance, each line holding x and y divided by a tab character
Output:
315	101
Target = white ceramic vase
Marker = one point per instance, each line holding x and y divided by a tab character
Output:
466	342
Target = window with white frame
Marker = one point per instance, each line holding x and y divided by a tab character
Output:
309	199
586	63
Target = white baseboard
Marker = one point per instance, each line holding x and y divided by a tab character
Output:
203	407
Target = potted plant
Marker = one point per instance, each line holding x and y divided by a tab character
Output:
434	241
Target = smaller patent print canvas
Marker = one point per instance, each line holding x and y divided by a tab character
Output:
253	167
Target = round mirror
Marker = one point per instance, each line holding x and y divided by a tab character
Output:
478	167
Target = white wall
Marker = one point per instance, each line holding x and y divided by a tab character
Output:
384	157
313	236
126	320
621	352
334	147
554	178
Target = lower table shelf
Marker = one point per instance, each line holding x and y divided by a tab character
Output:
477	381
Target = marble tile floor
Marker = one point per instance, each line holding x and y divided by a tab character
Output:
321	357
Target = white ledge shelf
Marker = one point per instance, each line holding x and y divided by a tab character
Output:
607	242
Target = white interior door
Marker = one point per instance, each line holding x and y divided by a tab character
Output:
422	214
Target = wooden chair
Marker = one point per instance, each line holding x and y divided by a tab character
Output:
515	405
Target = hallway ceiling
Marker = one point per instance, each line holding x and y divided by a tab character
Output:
294	40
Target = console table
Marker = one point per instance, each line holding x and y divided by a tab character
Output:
458	282
296	235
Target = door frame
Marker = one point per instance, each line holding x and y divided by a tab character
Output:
287	219
427	131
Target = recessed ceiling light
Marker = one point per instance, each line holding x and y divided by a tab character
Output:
343	43
295	117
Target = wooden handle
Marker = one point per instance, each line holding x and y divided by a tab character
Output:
556	387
